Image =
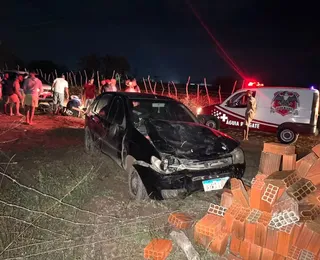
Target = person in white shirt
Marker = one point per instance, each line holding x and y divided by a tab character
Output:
32	88
59	87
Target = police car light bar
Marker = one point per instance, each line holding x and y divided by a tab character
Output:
256	84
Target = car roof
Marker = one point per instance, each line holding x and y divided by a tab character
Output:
16	71
136	95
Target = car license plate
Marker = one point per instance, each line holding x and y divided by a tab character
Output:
214	184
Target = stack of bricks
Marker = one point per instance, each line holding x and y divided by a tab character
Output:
279	219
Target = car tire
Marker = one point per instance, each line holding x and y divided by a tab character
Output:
89	146
213	122
137	190
287	136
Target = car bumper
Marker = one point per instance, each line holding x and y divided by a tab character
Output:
185	181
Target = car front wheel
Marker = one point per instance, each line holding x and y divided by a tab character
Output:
89	146
137	189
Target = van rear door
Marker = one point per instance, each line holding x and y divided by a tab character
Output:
315	109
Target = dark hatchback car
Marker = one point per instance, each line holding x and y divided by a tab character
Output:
162	146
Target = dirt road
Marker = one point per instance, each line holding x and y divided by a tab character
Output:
59	203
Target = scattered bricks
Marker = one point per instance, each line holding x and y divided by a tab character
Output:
306	163
315	179
270	194
316	150
233	257
180	220
257	188
250	226
216	210
266	254
278	148
269	163
261	229
238	228
235	245
304	237
226	199
283	178
239	192
294	253
245	249
272	239
309	211
219	243
254	216
230	215
296	232
301	189
285	212
289	162
158	249
306	255
314	170
255	252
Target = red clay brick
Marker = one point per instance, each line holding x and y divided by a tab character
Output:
207	227
306	255
316	150
226	198
261	229
257	189
235	245
238	228
301	189
230	215
306	163
308	211
269	163
314	169
289	162
278	148
294	253
313	245
272	239
239	192
255	252
245	249
233	257
284	243
219	243
266	254
278	257
314	197
180	220
283	178
158	249
315	179
216	209
304	237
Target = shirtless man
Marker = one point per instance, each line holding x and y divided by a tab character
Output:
249	115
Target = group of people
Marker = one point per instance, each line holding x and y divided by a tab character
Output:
25	96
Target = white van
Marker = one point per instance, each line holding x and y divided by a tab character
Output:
287	111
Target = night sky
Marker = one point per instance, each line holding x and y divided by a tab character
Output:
275	43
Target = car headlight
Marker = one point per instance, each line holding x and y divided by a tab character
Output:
237	156
166	165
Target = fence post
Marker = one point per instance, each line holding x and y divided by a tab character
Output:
145	85
162	87
207	92
234	87
219	92
187	87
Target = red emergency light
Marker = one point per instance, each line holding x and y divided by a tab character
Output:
255	84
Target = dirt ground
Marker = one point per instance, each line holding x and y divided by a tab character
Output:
59	203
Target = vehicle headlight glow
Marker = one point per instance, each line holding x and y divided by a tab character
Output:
199	110
237	156
163	165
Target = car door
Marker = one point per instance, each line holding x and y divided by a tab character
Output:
114	128
96	116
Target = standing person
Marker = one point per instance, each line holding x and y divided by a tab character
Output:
250	113
112	86
132	86
32	88
18	92
59	87
89	93
10	96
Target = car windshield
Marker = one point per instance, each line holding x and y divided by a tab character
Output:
161	110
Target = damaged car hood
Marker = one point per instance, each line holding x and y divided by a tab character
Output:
188	140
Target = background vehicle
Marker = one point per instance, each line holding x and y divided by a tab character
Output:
161	145
286	111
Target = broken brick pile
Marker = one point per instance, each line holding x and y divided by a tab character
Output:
278	218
